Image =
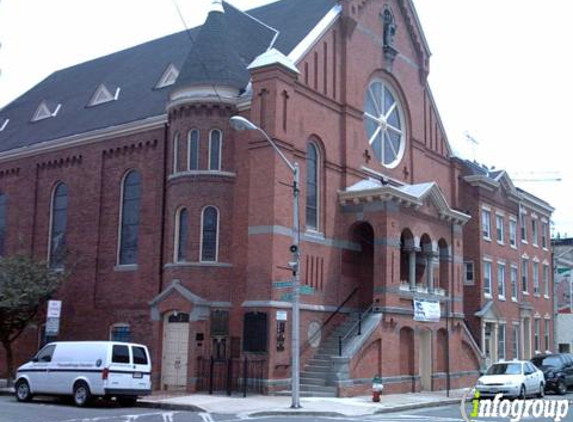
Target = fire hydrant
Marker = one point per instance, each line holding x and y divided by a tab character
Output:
377	388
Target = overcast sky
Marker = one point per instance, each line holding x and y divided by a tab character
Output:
499	70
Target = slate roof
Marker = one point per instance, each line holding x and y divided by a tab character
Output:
138	69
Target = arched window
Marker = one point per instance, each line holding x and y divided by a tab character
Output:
175	153
130	205
312	186
215	147
209	234
193	147
58	220
181	235
3	209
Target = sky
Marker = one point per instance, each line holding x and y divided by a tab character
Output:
499	71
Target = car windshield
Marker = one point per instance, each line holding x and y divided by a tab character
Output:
504	369
553	361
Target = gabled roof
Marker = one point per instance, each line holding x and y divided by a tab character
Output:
136	70
372	190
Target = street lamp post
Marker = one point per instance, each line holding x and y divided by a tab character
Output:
240	123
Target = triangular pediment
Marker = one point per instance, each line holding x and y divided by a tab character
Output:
176	288
103	94
169	77
45	110
489	311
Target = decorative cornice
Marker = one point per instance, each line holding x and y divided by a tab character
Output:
61	162
134	147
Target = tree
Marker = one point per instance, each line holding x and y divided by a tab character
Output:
25	286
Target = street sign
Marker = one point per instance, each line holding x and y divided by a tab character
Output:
52	326
281	315
54	308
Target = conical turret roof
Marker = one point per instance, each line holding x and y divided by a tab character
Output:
212	59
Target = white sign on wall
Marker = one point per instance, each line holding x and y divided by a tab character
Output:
281	315
426	310
54	308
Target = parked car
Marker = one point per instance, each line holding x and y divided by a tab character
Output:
557	369
86	370
512	379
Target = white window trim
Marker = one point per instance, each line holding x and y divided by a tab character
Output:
486	294
486	237
4	124
516	268
502	296
104	95
118	325
501	216
525	292
169	77
514	221
189	148
534	236
216	237
44	112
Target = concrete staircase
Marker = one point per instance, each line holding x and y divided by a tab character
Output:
314	378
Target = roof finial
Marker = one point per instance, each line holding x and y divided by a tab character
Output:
217	6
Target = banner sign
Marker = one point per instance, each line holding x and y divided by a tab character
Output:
426	310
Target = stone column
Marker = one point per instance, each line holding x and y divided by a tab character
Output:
430	259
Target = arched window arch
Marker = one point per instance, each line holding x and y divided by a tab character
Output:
58	221
181	235
215	148
129	218
175	153
209	234
193	148
312	186
3	217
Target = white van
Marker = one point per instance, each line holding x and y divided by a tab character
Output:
87	369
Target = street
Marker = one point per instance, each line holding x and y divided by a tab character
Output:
51	410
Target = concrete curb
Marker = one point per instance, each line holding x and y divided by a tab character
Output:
169	406
447	402
7	391
301	412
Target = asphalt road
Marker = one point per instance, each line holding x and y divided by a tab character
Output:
52	410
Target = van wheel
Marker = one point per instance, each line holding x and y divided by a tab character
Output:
82	395
127	401
23	391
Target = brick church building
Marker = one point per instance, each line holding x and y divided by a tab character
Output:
179	226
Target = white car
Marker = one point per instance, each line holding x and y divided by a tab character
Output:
84	369
514	378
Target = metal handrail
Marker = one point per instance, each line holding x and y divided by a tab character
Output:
332	315
357	323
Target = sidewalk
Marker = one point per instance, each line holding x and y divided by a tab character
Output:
256	405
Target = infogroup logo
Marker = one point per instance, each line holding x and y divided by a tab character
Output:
515	410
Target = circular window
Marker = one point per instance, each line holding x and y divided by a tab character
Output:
384	124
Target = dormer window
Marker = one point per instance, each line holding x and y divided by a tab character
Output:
45	110
104	94
168	78
3	124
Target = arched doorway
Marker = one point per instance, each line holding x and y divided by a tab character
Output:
363	234
175	351
425	354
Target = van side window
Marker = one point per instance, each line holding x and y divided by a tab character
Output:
139	356
45	355
120	354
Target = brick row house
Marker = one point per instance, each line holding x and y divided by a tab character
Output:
508	281
179	226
